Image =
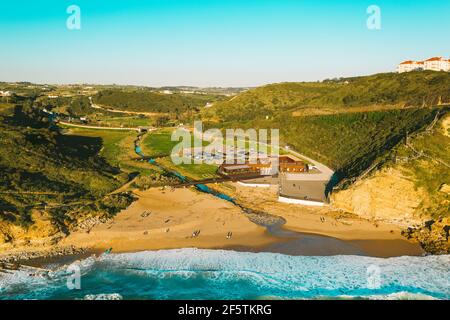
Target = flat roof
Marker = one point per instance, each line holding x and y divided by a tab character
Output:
236	167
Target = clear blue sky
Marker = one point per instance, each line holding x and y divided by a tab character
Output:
214	42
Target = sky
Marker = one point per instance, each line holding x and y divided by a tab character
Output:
214	42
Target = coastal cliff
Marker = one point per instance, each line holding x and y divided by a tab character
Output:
413	191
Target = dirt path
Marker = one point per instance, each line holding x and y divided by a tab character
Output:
96	127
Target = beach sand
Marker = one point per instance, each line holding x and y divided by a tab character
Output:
175	214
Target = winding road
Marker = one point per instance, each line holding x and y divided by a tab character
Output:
142	113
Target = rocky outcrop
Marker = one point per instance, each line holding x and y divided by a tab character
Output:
40	233
25	255
433	236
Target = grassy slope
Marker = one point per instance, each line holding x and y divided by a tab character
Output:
42	166
429	171
351	142
381	90
159	144
146	101
360	130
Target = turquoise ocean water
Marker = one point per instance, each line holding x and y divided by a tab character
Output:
216	274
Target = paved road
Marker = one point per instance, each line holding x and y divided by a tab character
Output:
325	172
97	127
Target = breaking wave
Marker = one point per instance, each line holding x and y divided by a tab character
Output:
217	274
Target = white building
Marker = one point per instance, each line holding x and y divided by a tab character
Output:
437	64
433	64
5	93
408	66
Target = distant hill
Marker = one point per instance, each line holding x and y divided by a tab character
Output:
414	89
148	101
348	123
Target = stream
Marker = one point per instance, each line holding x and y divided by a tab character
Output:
295	243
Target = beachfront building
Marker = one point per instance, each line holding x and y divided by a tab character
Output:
290	164
432	64
266	167
294	190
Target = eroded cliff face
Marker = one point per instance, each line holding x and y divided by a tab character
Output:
41	233
388	195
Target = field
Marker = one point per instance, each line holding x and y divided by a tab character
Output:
117	149
125	121
159	144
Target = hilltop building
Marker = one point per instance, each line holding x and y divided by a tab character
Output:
433	64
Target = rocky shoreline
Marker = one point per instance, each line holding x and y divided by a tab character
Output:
433	236
27	255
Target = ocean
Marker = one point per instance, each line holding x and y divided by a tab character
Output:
219	274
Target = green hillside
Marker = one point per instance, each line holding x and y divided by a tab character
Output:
148	101
414	89
347	142
41	166
351	142
425	159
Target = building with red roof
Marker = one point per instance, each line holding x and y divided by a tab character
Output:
433	64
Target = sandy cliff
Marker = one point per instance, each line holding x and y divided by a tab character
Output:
386	196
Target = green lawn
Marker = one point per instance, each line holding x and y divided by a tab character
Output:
158	143
126	121
193	171
118	149
113	142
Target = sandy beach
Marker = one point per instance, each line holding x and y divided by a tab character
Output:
174	215
167	219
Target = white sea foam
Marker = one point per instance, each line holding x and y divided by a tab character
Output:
429	274
264	274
